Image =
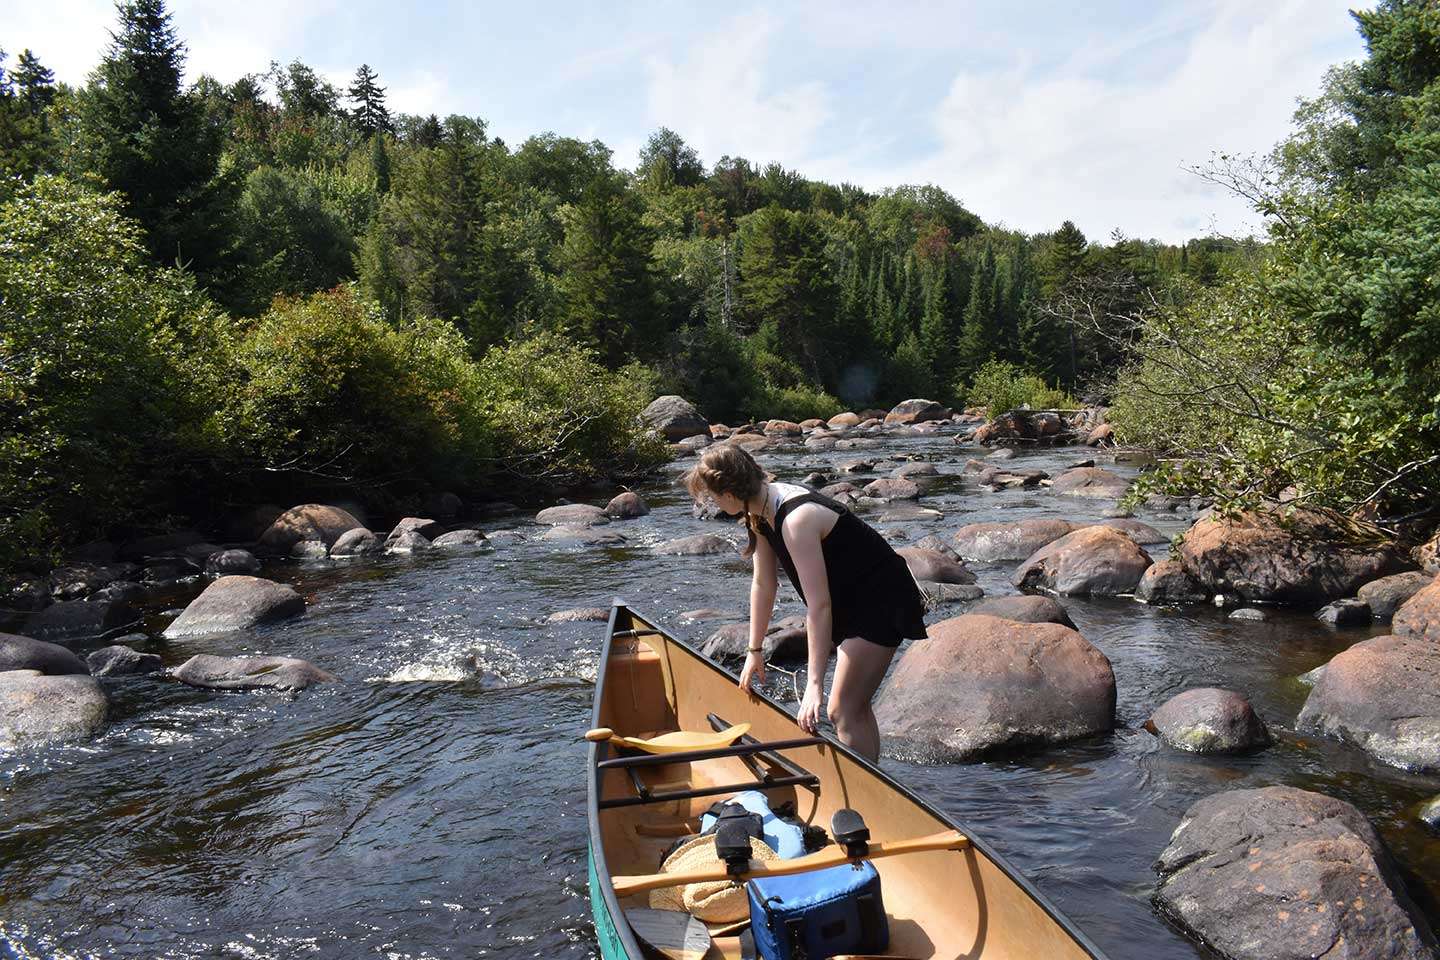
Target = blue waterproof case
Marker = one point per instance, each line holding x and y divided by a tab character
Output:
819	914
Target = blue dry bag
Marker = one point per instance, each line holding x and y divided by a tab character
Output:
785	838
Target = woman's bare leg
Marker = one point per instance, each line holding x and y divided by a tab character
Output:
860	666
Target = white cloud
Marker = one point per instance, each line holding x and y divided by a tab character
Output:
718	96
1030	148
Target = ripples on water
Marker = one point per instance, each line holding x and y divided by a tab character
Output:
433	805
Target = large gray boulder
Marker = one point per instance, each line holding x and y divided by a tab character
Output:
1141	533
583	536
79	619
1016	540
917	411
1027	608
675	417
236	603
123	661
309	521
935	567
1094	482
1284	874
424	526
572	515
460	539
36	709
359	542
1420	615
626	506
1209	720
888	488
979	684
1382	695
24	653
1166	582
251	673
785	641
1388	594
1095	561
701	544
1305	556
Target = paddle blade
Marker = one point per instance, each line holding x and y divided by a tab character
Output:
682	741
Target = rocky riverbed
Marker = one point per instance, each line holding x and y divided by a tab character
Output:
408	747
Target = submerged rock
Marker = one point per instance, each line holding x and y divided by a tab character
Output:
888	488
627	506
572	515
1209	720
1166	582
584	536
236	603
580	614
988	542
251	673
1281	874
36	709
703	544
457	539
979	684
118	660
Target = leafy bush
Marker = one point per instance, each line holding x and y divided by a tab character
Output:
103	368
329	390
1000	386
799	403
559	415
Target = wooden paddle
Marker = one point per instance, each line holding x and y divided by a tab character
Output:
830	857
677	741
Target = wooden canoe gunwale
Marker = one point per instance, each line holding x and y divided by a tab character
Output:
594	774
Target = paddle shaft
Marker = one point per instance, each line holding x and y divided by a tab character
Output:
946	840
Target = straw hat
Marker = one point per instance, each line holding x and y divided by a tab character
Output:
715	901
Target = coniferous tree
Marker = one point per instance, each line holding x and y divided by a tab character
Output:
34	83
605	275
380	164
938	324
149	140
977	334
668	161
370	115
24	145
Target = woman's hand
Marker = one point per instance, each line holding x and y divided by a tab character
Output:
810	706
754	669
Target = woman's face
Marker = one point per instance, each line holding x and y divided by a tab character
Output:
729	503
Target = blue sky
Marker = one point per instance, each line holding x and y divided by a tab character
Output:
1030	113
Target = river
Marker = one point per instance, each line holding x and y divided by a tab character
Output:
433	804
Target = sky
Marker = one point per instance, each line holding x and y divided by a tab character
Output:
1030	113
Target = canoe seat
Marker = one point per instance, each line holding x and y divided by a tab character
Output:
676	741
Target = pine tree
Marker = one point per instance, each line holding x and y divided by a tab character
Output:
882	309
370	115
977	333
605	274
24	143
937	324
34	83
380	164
150	141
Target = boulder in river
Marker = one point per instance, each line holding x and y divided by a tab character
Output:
934	566
359	542
579	615
701	544
932	542
36	709
309	521
1420	615
1381	695
1305	557
1097	561
917	411
1027	608
224	562
460	539
123	661
1165	582
79	619
407	541
785	641
427	528
675	417
843	421
572	515
1090	482
1209	720
1349	612
1141	533
251	673
1280	874
627	506
584	536
979	684
1012	540
236	603
939	594
24	653
1430	814
1388	594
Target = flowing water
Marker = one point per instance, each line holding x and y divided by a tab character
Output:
433	804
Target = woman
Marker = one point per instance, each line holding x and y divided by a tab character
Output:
859	595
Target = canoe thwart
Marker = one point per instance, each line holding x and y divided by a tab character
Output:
832	857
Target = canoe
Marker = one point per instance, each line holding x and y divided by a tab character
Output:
952	896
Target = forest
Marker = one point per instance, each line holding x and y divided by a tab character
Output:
213	293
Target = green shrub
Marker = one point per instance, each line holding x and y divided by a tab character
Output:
1001	386
330	390
798	403
560	416
104	371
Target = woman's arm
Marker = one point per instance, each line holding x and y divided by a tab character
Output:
763	583
803	531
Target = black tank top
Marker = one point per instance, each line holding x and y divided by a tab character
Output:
870	585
